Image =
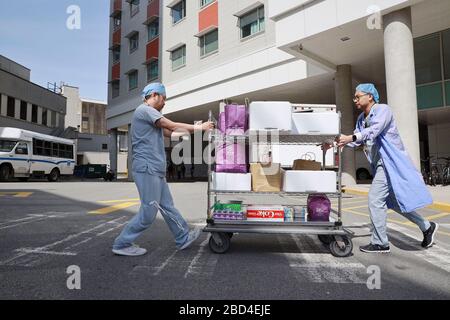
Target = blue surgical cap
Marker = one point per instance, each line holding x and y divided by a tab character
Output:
155	87
369	88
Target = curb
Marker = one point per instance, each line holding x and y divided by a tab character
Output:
440	206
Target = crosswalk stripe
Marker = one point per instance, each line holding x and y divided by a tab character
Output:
318	266
435	255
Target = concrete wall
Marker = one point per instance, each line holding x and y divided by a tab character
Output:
14	68
19	88
92	142
73	111
95	158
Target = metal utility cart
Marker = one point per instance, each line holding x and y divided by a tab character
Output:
332	234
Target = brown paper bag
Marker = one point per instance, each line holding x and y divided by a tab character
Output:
301	164
266	177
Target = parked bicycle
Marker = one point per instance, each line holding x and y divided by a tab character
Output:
446	171
430	171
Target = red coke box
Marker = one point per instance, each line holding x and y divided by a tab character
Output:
265	213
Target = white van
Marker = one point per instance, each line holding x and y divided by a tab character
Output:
24	154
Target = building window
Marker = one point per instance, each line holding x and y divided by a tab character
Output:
116	55
104	146
205	2
132	80
23	110
152	71
11	107
134	42
252	22
44	117
209	42
179	11
85	124
115	89
178	58
34	113
153	30
134	7
117	22
53	119
446	51
428	59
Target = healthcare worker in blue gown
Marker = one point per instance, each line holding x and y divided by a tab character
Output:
148	129
397	184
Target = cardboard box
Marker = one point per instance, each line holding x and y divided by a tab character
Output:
266	178
309	181
271	115
265	213
232	181
326	123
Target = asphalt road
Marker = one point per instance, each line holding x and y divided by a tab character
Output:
47	227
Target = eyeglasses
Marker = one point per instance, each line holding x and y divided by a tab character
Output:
356	98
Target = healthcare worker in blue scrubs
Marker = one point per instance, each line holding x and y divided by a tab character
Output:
397	184
148	129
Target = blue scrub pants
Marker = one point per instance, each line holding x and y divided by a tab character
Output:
379	192
155	195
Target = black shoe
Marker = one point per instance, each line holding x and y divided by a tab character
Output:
428	236
375	248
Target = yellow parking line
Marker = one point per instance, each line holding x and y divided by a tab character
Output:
16	194
439	215
114	208
407	223
116	201
351	208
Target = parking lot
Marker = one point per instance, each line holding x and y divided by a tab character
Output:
47	227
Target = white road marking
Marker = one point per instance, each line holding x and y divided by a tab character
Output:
164	264
26	250
319	266
30	216
202	264
22	258
24	222
435	255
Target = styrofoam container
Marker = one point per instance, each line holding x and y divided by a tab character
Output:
326	123
309	181
232	181
285	154
271	115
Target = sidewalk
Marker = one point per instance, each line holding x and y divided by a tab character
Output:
440	194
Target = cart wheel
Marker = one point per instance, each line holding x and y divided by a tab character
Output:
325	238
220	247
341	247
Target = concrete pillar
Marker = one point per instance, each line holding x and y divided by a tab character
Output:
130	156
344	103
401	78
113	149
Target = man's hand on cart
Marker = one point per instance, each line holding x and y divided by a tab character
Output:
209	125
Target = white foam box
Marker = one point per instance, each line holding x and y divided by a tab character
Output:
309	181
326	123
270	115
285	154
232	181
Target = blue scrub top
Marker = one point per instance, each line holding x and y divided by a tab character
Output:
147	139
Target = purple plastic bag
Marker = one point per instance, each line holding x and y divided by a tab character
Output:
231	157
319	207
236	119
